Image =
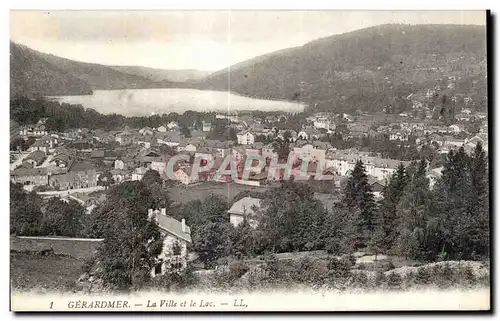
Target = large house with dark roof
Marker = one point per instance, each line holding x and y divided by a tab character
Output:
36	158
30	176
177	237
79	175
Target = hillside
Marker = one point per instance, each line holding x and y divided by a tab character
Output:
31	75
35	73
360	69
157	75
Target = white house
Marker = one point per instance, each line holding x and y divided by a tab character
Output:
45	144
245	207
124	138
177	237
161	129
186	146
139	173
433	175
379	168
323	122
160	167
190	148
245	138
146	131
268	151
183	175
206	127
309	133
309	152
455	128
172	125
402	136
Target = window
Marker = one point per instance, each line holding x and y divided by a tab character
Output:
176	248
158	268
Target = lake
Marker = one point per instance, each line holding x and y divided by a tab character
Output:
145	102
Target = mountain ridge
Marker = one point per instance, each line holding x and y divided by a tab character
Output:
34	73
366	64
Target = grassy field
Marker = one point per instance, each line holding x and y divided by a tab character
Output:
73	248
44	273
184	194
56	272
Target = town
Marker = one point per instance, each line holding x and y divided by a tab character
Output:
358	162
75	159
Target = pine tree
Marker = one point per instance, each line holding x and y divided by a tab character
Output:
281	146
341	230
211	231
25	213
478	202
411	214
454	220
358	194
242	239
388	215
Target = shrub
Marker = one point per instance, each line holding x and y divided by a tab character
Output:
383	266
467	276
271	267
175	280
447	277
422	277
394	281
236	270
338	269
309	271
88	264
360	280
380	279
362	266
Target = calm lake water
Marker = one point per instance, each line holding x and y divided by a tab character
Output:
145	102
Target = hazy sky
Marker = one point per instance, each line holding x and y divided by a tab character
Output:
204	40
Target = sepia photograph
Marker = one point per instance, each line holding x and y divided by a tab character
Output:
249	160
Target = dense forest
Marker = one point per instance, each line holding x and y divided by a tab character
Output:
35	74
365	69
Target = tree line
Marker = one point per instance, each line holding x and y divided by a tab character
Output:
31	216
63	116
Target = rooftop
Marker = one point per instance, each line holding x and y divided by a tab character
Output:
174	227
245	206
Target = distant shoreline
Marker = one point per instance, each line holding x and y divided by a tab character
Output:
194	100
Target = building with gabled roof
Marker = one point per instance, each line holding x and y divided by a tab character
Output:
245	208
176	238
36	158
245	137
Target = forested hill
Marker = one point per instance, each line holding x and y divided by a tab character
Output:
360	69
34	73
31	75
181	75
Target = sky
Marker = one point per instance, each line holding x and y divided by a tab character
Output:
203	40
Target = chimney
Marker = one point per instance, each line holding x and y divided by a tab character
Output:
183	222
150	214
163	211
